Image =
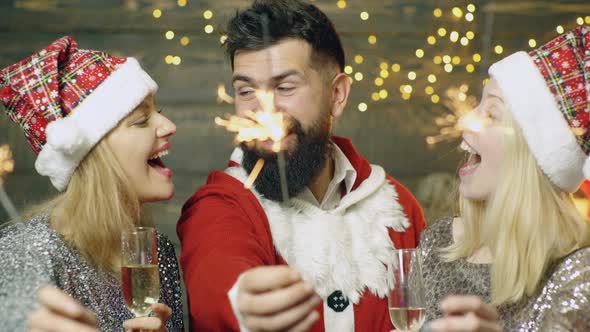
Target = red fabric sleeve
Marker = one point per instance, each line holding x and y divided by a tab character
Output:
219	242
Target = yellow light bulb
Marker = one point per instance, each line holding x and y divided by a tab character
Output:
447	59
464	41
176	60
454	36
476	57
181	3
437	12
437	59
532	43
471	8
456	60
364	16
358	76
396	67
587	19
348	70
580	20
408	89
372	39
169	34
169	59
184	41
358	59
420	53
431	40
406	96
470	68
383	66
158	13
412	75
384	73
362	107
379	81
470	35
432	78
429	90
469	17
457	12
435	99
207	14
559	29
341	4
383	94
499	49
448	67
375	96
209	29
442	32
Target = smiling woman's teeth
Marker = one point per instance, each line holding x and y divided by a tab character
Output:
465	147
159	155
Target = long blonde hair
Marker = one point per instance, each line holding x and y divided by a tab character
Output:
528	223
97	206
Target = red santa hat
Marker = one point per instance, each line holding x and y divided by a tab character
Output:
548	92
66	99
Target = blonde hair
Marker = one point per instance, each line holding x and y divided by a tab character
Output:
97	206
528	223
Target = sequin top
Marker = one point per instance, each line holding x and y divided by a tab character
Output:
562	302
33	255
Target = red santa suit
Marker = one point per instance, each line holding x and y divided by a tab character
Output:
226	229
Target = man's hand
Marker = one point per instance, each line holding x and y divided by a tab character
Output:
275	298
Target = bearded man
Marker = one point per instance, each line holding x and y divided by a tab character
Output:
318	262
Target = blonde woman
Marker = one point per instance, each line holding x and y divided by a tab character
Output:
91	120
518	257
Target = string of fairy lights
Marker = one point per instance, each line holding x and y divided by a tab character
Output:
443	53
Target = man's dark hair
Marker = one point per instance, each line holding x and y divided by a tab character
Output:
268	22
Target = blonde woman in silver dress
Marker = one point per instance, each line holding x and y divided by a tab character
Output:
91	119
518	256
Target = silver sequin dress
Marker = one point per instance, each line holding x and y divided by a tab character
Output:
33	255
561	304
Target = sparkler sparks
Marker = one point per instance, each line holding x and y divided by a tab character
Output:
462	118
222	96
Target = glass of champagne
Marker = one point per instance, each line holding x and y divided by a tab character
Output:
140	279
406	299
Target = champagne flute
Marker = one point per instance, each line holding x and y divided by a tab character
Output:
406	299
140	278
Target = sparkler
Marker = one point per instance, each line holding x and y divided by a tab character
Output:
222	96
6	167
261	125
462	118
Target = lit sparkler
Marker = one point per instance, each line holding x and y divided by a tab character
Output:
462	118
6	167
222	96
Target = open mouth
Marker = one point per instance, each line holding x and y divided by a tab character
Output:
156	162
472	161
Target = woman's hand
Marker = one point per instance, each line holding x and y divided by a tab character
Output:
59	312
155	324
466	314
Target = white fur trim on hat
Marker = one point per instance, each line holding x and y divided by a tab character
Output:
69	139
545	129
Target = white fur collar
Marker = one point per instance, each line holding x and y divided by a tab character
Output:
344	249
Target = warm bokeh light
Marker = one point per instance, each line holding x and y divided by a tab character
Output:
435	99
559	29
469	17
477	57
437	12
169	34
471	8
184	41
207	14
168	59
420	53
470	68
464	41
176	60
470	35
432	78
580	20
364	16
379	81
442	32
384	73
431	40
456	60
362	107
358	76
158	13
454	36
181	3
383	94
358	59
429	90
341	4
457	12
448	67
209	29
396	67
499	49
532	43
372	39
222	39
447	59
437	59
348	70
412	75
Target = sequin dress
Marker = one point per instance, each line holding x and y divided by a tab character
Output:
33	255
561	304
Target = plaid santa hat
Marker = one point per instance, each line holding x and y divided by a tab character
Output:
548	92
66	99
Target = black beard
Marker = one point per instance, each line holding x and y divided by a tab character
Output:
302	165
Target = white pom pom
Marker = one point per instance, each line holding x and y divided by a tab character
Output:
587	168
65	135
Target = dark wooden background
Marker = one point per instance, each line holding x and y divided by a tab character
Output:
391	132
